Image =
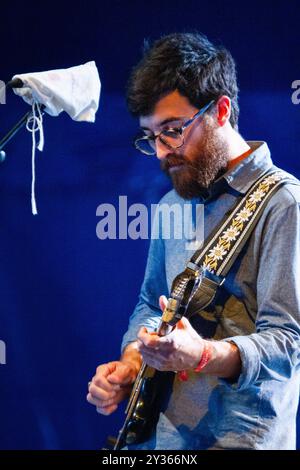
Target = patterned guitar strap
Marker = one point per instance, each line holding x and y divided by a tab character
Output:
223	246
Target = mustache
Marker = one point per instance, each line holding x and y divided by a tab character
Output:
170	161
175	160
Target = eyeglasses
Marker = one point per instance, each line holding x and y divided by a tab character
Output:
172	138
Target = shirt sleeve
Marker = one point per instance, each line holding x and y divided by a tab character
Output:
273	351
147	311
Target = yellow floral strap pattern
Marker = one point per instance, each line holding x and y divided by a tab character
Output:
218	253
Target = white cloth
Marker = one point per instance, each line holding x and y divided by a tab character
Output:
75	90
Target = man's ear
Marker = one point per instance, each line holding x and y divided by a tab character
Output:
223	110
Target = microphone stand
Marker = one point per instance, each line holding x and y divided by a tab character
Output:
11	134
16	83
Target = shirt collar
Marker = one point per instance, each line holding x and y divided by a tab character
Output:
244	174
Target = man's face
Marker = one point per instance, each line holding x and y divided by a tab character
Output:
203	156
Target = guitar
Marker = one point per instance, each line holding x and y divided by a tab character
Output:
142	411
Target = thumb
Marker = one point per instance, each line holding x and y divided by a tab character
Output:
120	375
163	301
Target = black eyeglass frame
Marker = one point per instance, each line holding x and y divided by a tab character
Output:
177	130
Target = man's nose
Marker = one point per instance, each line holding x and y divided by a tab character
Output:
162	151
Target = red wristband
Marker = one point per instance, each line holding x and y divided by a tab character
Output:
206	356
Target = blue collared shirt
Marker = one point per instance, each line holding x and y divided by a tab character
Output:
258	308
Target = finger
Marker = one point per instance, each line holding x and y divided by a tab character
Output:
123	376
163	301
102	374
118	379
112	376
100	393
149	340
106	369
163	347
107	410
156	357
152	361
102	382
142	332
100	403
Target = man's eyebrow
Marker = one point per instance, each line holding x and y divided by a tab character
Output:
166	121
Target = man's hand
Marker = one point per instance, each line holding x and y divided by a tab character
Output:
180	350
110	385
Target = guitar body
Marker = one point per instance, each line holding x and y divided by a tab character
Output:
153	396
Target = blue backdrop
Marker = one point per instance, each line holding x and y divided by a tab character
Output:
66	295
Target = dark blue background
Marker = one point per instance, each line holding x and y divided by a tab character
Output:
66	295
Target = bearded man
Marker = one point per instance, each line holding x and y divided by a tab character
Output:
241	353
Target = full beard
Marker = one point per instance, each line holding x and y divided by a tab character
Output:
194	175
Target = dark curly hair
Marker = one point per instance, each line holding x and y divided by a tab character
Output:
188	62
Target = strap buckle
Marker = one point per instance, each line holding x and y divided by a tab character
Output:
195	268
